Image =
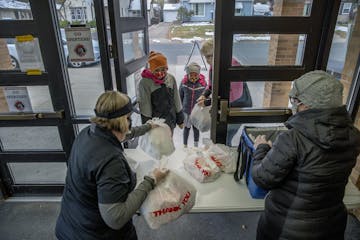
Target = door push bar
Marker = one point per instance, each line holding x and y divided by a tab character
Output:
226	112
32	116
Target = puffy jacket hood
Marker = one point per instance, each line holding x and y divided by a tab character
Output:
328	128
201	79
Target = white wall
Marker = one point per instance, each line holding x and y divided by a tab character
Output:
170	16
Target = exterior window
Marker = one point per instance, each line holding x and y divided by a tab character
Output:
78	13
199	9
346	8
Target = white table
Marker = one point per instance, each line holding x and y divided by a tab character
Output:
224	194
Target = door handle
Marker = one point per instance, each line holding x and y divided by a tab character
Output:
224	110
32	116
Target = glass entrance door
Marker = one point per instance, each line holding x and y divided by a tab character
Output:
35	105
271	43
42	108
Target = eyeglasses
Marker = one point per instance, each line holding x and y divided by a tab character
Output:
294	100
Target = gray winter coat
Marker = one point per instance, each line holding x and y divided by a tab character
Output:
306	171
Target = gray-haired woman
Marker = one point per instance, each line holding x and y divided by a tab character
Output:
308	166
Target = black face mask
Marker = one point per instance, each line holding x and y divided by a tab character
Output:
130	121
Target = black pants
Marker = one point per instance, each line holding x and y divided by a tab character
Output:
186	134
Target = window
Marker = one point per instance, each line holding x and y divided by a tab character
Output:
239	9
78	14
346	8
199	9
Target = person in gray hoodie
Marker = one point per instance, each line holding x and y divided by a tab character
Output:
158	95
308	166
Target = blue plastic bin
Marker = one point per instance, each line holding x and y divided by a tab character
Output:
246	151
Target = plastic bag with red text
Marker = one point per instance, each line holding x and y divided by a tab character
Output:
170	199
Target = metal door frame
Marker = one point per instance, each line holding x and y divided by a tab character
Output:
319	27
120	25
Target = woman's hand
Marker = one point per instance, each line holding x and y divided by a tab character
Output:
201	98
159	174
201	103
261	139
153	125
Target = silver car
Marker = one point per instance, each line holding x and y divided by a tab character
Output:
15	62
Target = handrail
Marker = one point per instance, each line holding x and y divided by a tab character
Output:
31	116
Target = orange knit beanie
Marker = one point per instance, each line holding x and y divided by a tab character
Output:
156	60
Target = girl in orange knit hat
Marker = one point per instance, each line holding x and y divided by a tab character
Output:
158	95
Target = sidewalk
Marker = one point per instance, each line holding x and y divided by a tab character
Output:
159	33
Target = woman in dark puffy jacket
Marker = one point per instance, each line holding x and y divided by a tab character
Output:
308	166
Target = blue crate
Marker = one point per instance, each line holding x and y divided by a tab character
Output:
246	150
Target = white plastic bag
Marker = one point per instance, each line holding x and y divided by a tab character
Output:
225	157
200	118
170	199
201	167
158	141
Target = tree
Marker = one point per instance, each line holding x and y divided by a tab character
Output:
184	14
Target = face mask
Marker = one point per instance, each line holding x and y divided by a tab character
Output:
160	75
295	107
193	78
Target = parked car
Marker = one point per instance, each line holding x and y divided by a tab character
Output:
15	58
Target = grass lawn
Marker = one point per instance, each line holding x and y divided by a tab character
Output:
190	31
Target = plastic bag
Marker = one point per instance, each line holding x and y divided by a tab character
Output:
158	141
225	157
201	167
170	199
200	118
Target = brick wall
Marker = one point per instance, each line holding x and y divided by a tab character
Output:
347	77
351	56
5	63
355	174
282	51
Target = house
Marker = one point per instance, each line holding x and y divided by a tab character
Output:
261	9
170	11
345	11
243	7
204	10
14	10
76	11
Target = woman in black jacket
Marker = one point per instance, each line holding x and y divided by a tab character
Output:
100	195
308	166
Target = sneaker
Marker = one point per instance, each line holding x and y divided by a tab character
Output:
185	146
196	144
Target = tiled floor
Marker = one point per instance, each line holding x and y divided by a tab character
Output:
36	221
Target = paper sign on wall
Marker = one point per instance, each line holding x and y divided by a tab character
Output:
29	55
18	99
79	43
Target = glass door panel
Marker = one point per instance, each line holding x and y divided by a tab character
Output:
30	139
38	172
86	78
